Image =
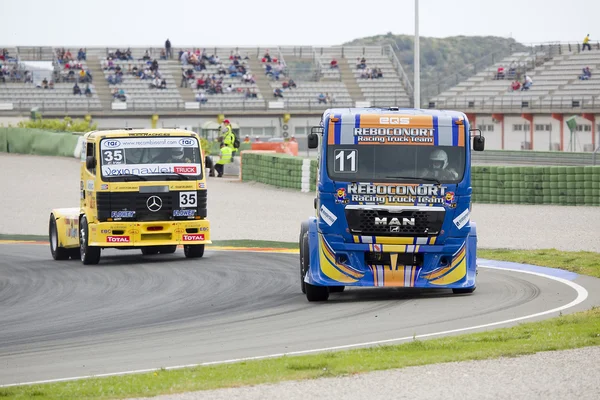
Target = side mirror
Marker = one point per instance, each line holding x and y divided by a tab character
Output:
90	162
313	140
478	141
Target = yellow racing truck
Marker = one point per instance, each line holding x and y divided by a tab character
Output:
139	189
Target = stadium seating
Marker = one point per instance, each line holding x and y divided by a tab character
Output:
17	95
556	85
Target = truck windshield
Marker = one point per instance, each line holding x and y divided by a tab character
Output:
150	158
380	163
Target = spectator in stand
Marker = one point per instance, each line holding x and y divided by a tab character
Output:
168	48
81	55
586	43
88	91
155	84
201	98
277	93
500	73
512	69
516	85
587	74
527	83
76	89
321	98
45	83
51	84
163	54
334	63
266	57
163	84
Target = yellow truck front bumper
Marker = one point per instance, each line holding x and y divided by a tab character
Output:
160	233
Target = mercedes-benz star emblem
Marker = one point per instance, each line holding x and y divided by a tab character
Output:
154	203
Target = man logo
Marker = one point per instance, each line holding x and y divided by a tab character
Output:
394	222
154	203
394	121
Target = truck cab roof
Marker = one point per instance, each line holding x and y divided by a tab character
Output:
138	133
347	112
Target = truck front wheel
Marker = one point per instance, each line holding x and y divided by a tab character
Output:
313	293
58	253
193	250
89	254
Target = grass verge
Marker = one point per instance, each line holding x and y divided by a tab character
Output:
564	332
580	262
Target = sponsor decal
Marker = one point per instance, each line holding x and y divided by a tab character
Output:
105	231
327	215
188	142
104	186
450	200
133	143
201	185
377	247
148	169
180	169
184	213
90	185
111	143
462	219
413	194
122	214
395	135
117	239
394	120
190	237
340	196
394	222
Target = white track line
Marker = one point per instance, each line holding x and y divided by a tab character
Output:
582	294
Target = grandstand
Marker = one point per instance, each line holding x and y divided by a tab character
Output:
510	119
309	67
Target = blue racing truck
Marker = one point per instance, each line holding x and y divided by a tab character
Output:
393	202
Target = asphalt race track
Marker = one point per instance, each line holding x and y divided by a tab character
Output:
130	312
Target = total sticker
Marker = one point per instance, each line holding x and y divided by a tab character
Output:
327	215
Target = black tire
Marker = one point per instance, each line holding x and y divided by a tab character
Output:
463	290
150	250
313	293
58	253
168	249
336	289
304	251
193	250
88	255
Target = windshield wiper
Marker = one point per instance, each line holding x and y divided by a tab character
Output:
140	177
176	173
415	178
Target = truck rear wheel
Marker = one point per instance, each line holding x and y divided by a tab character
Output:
193	250
88	254
58	253
168	249
150	250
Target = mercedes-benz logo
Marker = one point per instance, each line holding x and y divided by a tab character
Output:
154	203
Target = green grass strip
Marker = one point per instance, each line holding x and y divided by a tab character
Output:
564	332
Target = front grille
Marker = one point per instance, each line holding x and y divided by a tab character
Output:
108	203
376	258
405	223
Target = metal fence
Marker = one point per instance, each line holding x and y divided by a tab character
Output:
519	103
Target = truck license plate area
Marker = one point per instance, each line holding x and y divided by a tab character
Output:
376	258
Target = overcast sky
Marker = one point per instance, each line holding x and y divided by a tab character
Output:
286	22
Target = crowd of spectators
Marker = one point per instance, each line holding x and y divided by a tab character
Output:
365	71
526	85
147	71
211	84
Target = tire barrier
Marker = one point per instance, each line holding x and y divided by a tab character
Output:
559	185
279	170
566	185
39	142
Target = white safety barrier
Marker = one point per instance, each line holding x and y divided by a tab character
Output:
305	175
